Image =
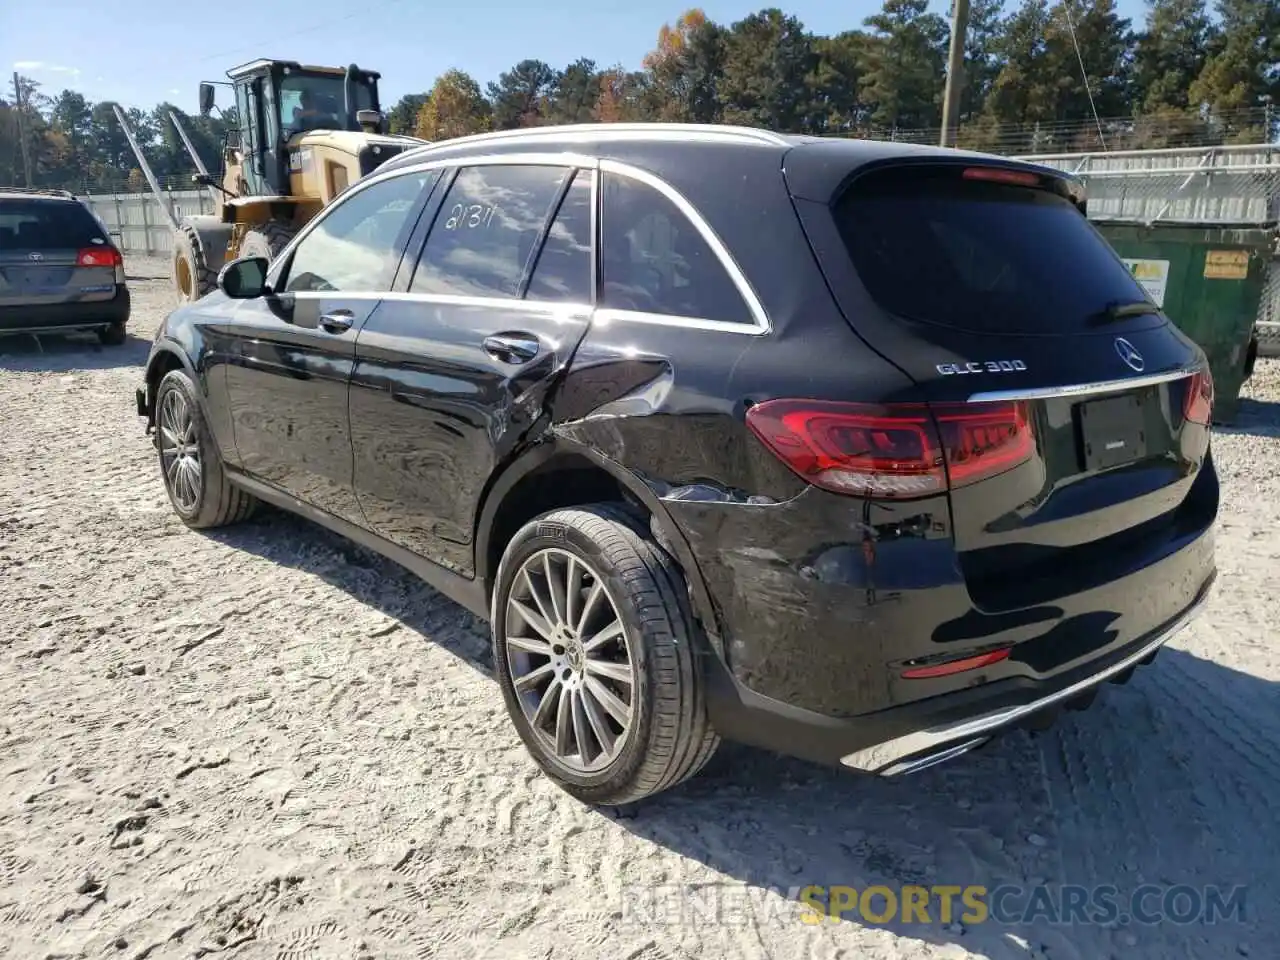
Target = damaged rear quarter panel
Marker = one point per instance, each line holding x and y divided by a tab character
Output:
804	606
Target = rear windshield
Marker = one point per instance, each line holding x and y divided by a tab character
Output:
990	258
46	224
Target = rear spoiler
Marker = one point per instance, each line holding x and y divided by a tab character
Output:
40	192
822	171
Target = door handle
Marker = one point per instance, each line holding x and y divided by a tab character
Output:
337	321
512	347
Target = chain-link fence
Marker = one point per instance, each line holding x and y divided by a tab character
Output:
1172	129
1228	186
1218	186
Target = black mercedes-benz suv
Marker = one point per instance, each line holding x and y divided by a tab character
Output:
857	451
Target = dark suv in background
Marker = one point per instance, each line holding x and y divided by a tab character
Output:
858	451
59	270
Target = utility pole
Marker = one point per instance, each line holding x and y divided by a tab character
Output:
20	113
955	72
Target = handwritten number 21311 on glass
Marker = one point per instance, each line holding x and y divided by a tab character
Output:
470	217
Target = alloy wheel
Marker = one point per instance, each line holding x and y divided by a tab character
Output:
180	451
570	661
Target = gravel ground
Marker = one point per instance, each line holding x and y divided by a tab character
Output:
268	743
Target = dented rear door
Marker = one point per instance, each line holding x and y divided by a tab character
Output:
454	368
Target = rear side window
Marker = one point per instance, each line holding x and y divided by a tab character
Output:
979	256
563	271
47	224
487	229
654	260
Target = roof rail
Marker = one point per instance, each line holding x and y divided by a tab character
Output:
42	191
616	131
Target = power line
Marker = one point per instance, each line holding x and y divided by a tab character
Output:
362	14
1084	74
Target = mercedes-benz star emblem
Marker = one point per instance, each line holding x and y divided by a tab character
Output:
1130	355
35	256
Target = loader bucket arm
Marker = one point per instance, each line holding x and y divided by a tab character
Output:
145	167
195	156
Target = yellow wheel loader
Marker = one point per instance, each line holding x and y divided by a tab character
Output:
302	135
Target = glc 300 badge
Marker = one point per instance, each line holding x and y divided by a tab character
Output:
984	366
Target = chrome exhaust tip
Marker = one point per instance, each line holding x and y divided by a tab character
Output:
916	764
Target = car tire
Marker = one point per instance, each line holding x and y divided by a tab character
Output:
663	735
193	278
201	494
112	335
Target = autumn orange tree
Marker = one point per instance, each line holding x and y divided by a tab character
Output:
454	108
682	70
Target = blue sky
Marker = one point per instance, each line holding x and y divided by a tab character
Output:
142	51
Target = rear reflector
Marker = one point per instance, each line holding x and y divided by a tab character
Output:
998	175
99	257
1199	403
898	451
955	666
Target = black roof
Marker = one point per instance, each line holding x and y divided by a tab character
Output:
35	193
818	165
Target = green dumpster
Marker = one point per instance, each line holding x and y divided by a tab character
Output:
1209	281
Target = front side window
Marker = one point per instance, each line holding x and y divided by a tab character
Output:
356	246
654	260
487	229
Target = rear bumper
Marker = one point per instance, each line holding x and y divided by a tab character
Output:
66	317
906	738
910	751
823	601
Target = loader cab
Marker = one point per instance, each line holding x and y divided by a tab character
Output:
279	101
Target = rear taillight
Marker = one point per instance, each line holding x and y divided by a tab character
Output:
99	257
897	451
1198	407
983	439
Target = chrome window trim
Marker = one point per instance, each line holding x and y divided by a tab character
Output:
598	316
1080	389
455	300
759	326
605	316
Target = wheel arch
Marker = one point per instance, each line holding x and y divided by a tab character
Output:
166	357
513	499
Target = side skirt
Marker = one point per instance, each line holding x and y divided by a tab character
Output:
462	591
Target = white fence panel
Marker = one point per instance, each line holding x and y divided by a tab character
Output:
136	222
